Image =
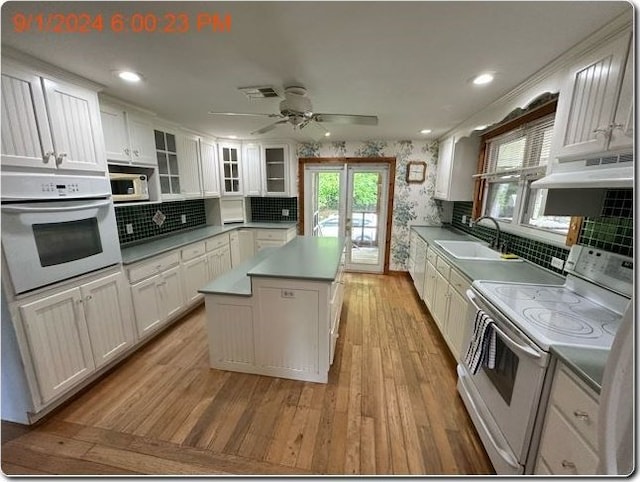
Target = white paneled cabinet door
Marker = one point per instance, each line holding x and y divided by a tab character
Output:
108	313
229	159
58	339
622	133
146	306
267	243
252	170
170	292
276	169
440	302
75	126
188	166
114	129
26	139
209	168
456	322
195	274
141	140
429	285
445	158
588	100
219	261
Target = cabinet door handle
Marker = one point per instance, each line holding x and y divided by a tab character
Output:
135	152
579	414
47	155
616	126
127	151
88	298
568	465
60	158
162	283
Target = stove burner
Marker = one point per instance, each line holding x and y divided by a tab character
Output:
537	293
561	322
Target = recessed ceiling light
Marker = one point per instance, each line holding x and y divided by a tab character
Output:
425	131
480	128
233	137
327	134
129	76
483	79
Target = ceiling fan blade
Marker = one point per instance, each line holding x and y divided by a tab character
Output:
364	120
245	114
270	127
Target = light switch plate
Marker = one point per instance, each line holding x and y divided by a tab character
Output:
464	219
285	212
183	218
129	228
557	263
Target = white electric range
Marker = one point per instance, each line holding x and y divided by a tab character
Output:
528	319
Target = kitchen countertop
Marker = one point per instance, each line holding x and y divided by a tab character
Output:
144	250
304	257
587	363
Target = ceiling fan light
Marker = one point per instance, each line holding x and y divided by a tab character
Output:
483	79
425	131
129	76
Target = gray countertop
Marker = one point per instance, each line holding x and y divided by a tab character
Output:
304	257
587	363
144	250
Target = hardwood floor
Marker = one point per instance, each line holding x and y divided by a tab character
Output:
390	406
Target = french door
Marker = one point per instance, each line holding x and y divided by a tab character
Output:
350	200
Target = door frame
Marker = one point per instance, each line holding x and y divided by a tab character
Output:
341	161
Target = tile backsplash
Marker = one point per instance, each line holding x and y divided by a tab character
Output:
612	231
269	209
140	217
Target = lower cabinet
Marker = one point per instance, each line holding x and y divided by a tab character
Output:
73	332
569	443
242	246
195	274
219	261
273	238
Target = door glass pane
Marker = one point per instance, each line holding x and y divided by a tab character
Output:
225	154
503	375
171	143
160	144
164	185
59	243
227	170
173	164
227	186
364	217
328	204
163	165
175	184
234	171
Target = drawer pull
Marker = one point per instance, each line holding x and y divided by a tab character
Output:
568	465
580	415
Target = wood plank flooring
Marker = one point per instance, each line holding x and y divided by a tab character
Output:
390	406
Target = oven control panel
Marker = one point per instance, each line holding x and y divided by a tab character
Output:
611	270
31	187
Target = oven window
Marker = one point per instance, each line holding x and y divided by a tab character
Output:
59	243
503	376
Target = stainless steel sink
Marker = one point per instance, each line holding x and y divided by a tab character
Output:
471	250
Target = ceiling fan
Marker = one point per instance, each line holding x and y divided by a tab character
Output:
296	110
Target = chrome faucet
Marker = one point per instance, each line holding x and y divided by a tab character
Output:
496	242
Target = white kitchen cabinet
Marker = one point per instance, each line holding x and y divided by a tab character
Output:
242	246
273	238
457	163
411	259
49	124
440	302
429	285
171	294
209	168
569	443
623	121
219	260
277	172
128	137
166	143
195	274
56	331
252	169
588	103
457	320
230	168
189	165
146	306
420	265
107	307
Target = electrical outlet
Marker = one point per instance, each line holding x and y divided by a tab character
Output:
464	219
183	218
287	294
285	212
129	228
557	263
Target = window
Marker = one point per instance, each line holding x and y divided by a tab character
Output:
514	160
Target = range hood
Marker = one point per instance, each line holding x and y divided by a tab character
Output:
611	172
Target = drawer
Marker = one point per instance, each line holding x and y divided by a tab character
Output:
576	405
442	267
271	234
459	282
192	251
432	256
563	449
154	266
217	241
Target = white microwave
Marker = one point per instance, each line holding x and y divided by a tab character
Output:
128	187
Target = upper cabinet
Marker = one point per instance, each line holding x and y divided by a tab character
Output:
209	168
128	137
188	146
49	124
252	169
268	170
457	162
168	170
595	105
230	169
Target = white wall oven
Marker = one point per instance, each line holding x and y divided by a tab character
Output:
56	228
504	401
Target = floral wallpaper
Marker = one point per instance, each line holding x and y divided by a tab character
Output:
413	204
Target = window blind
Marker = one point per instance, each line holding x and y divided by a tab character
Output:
522	151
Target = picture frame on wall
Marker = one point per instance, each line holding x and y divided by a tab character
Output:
416	172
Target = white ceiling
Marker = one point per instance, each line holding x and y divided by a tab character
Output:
409	63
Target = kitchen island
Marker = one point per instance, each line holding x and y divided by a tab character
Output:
278	313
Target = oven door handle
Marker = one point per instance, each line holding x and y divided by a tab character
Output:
514	345
49	209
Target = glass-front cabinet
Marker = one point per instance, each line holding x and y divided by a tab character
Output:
275	169
230	166
167	162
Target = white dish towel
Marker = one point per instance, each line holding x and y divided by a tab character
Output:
482	347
